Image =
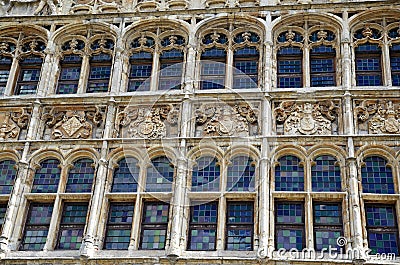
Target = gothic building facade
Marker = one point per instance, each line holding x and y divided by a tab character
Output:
199	132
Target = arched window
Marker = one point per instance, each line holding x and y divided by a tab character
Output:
206	174
376	176
241	173
47	177
7	174
160	175
80	176
325	174
289	174
171	63
126	175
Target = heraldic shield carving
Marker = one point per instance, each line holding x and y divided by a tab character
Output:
307	118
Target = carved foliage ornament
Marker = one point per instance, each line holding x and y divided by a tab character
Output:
12	122
147	122
382	116
225	120
306	118
73	123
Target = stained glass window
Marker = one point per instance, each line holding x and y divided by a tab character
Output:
241	174
377	176
203	226
289	225
383	235
160	175
47	177
326	174
154	225
119	226
69	74
289	174
245	72
37	226
3	210
29	74
5	66
7	176
322	69
205	175
327	225
368	65
99	73
80	176
395	63
213	68
239	226
140	72
290	68
72	225
171	63
126	175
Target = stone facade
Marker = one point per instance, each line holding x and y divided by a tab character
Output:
264	122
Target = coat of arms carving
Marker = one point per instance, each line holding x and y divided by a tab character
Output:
225	120
73	123
306	118
12	122
146	122
380	116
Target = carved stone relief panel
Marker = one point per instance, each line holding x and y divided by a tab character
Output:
14	123
73	122
378	116
306	118
150	122
227	119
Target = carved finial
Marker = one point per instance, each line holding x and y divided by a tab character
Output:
142	40
102	42
215	36
73	44
33	45
173	39
367	32
290	35
3	47
246	36
322	34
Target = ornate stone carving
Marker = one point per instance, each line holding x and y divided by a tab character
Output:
225	120
12	122
73	123
95	6
379	116
146	122
306	118
34	7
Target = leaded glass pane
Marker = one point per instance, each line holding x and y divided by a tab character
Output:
241	174
72	225
140	72
239	226
327	214
37	226
377	176
380	216
154	226
380	242
395	64
47	177
119	226
205	213
368	65
202	239
326	239
203	226
326	174
7	176
80	176
205	175
290	238
327	225
126	175
213	69
160	175
3	210
289	213
156	213
153	239
289	175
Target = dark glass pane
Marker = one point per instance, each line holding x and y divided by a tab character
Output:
203	223
381	216
205	213
126	175
325	174
289	213
326	238
3	210
72	225
289	175
381	242
205	175
376	176
119	226
290	238
160	175
80	177
154	226
7	176
241	174
47	177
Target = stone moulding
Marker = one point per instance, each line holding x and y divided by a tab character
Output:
151	122
12	122
216	119
307	118
73	122
378	116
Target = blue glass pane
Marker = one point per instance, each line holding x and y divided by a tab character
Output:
153	239
322	49
141	70
170	69
27	89
175	54
241	174
290	82
126	175
289	66
369	80
322	65
368	64
290	51
246	67
202	239
240	212
205	213
72	225
119	226
289	175
68	88
327	214
381	216
369	47
205	175
326	239
154	226
322	80
381	242
155	213
70	73
289	238
376	176
160	175
100	72
47	177
325	174
80	177
141	55
7	176
239	239
246	51
213	53
289	213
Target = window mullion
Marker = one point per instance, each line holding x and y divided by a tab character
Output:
12	77
83	78
221	223
306	66
135	234
387	77
229	69
155	70
55	219
309	224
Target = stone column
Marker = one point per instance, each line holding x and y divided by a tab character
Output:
45	72
116	80
89	245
